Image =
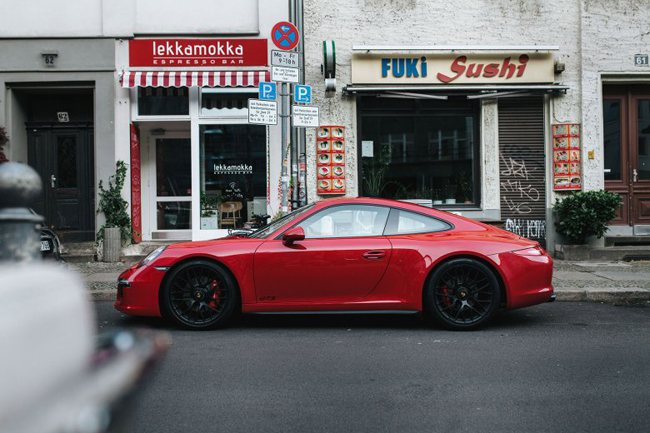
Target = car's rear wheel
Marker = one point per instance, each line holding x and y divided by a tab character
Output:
462	294
200	295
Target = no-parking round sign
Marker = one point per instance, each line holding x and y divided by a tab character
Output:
285	35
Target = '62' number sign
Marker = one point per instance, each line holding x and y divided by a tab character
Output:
49	59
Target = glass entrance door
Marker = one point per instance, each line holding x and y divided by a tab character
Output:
173	189
232	172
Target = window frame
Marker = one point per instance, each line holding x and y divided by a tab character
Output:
246	90
305	218
137	117
393	219
416	111
391	211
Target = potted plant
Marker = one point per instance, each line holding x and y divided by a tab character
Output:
4	139
118	222
466	187
375	170
449	192
210	210
581	215
437	195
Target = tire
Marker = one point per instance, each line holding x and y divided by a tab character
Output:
200	294
462	294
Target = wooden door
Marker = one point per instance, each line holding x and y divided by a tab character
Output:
626	127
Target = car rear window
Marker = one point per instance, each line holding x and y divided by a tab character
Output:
402	222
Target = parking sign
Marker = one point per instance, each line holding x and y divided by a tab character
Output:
302	94
268	91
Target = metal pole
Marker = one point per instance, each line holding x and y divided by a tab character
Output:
294	132
20	187
285	174
302	138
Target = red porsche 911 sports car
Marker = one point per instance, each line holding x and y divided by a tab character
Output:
344	255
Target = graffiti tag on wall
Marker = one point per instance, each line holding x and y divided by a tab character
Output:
532	229
517	191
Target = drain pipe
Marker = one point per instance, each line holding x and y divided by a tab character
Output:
302	137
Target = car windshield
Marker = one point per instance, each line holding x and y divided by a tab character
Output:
267	230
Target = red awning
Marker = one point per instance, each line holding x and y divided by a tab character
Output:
194	79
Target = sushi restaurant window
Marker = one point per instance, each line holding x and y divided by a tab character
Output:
233	174
420	150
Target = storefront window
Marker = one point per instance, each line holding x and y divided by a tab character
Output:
215	103
427	150
233	174
163	101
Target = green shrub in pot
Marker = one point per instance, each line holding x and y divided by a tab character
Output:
584	214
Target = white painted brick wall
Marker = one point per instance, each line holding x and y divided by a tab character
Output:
456	22
597	38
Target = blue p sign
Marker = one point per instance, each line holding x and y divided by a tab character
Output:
302	94
268	91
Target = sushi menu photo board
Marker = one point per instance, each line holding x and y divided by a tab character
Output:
567	167
330	159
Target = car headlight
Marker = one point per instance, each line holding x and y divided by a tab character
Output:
153	256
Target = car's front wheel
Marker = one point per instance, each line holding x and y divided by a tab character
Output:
462	294
199	295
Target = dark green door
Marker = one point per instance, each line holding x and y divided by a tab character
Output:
64	160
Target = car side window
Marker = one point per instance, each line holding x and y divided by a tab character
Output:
346	221
404	222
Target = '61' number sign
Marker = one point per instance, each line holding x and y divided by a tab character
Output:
641	60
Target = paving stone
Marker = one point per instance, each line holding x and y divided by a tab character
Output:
102	277
624	276
576	276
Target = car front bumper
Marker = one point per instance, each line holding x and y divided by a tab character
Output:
137	290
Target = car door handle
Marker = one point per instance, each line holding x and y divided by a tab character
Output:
374	255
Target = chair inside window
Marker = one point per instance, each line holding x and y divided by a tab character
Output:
230	213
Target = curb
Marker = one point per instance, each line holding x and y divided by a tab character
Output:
102	295
609	294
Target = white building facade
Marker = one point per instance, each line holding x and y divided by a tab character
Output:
486	108
158	85
518	104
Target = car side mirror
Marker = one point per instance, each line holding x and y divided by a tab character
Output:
292	235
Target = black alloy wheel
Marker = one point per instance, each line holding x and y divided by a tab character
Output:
462	294
200	295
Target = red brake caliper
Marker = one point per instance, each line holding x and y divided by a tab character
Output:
216	292
446	299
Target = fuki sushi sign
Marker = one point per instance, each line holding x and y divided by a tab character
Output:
452	68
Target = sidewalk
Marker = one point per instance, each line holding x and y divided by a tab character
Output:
616	282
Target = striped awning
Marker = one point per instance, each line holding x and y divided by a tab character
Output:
193	78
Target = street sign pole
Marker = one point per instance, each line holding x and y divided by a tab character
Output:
284	66
285	175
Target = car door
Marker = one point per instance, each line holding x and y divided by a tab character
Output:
343	257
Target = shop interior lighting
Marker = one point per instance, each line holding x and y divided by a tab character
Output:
453	48
408	95
498	95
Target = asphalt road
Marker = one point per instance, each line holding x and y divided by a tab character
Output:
561	367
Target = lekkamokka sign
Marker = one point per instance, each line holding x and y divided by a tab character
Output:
197	52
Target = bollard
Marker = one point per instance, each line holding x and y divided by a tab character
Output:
20	187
